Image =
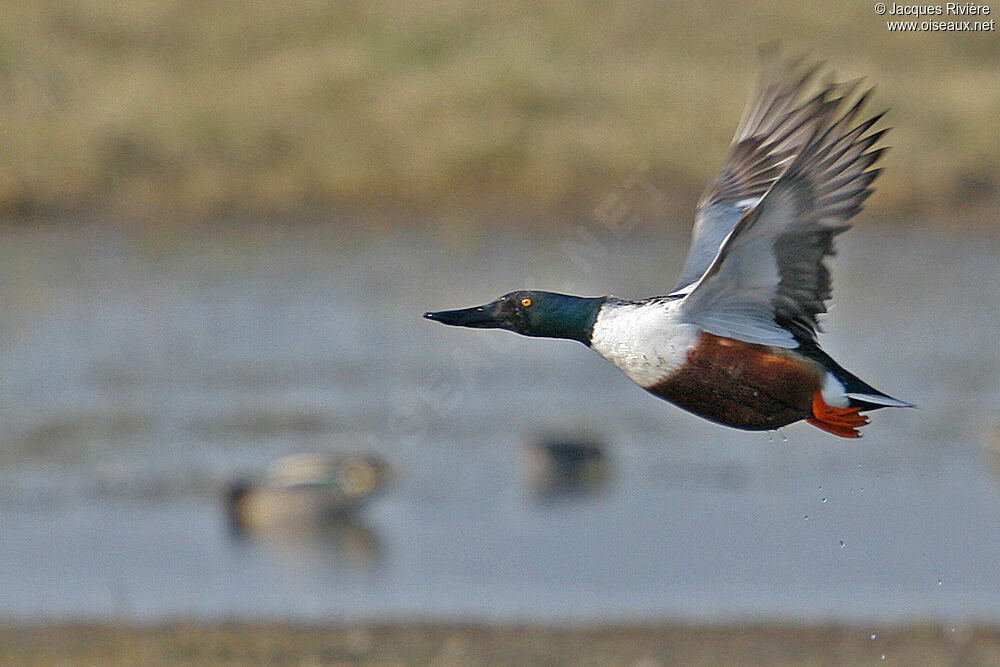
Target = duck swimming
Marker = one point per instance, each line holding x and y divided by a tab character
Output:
735	341
306	490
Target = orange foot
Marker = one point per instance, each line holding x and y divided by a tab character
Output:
844	422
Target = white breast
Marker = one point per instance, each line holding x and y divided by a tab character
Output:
646	341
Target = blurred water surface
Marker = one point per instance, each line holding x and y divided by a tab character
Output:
137	378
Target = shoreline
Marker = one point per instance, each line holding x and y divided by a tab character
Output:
184	642
205	112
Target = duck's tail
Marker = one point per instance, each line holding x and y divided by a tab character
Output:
860	394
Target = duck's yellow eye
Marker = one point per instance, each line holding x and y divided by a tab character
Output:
525	302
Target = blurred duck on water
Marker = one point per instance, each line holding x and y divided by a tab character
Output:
735	340
564	467
306	490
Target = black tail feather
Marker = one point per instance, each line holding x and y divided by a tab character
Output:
852	383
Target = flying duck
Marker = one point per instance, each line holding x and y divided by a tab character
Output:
735	341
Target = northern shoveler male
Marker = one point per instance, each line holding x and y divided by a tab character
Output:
735	341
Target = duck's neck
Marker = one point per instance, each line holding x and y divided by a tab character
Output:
570	317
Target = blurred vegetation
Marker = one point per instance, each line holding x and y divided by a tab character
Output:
471	645
196	109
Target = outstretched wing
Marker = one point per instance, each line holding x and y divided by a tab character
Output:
777	122
768	281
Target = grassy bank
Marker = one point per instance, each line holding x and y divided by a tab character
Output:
180	109
482	645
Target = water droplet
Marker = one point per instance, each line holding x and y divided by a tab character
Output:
872	636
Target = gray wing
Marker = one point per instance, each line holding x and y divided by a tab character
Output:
778	121
768	281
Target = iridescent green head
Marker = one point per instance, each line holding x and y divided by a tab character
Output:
531	313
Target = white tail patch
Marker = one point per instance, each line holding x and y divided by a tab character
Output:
877	399
833	392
